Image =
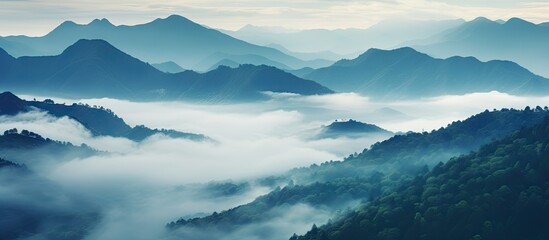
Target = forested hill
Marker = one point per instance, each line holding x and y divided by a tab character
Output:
98	120
334	185
457	137
26	147
415	150
498	192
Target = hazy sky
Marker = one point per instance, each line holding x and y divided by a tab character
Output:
37	17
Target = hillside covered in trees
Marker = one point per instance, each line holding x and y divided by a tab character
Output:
497	192
335	185
98	120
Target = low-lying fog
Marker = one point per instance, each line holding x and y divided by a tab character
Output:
135	184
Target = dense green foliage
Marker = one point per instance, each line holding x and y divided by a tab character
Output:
329	194
499	192
413	150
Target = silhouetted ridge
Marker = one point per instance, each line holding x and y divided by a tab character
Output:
90	48
173	22
518	22
101	23
5	61
10	104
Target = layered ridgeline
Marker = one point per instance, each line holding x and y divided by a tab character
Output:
174	38
94	68
168	67
406	73
34	208
498	192
332	44
351	129
515	40
98	120
334	186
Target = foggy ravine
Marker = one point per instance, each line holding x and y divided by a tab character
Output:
136	185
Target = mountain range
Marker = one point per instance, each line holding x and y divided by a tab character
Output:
406	73
174	38
515	40
343	42
94	68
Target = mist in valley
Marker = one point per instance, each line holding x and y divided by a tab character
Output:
135	188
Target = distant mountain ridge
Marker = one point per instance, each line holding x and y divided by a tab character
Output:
168	67
347	42
174	38
406	73
516	40
94	68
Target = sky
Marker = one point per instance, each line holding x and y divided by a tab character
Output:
38	17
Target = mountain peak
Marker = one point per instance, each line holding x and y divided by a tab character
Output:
10	104
481	20
101	23
5	55
175	19
90	47
518	22
7	96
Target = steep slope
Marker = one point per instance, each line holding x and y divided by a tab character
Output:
406	73
174	38
98	120
498	192
515	40
94	68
